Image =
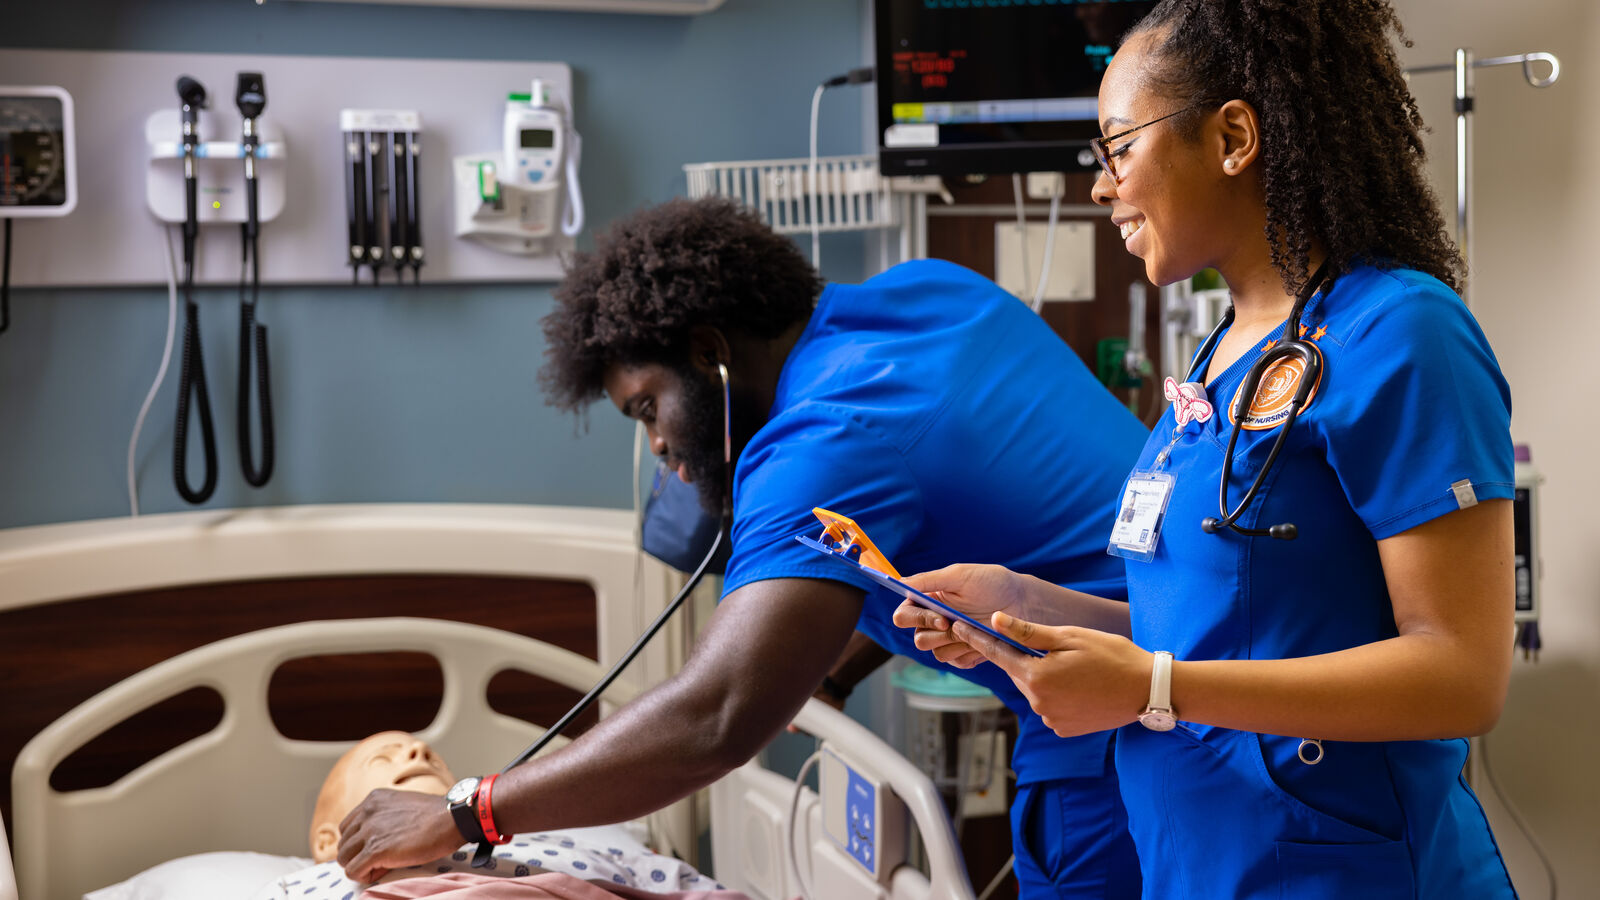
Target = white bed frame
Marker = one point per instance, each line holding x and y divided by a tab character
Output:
158	801
244	786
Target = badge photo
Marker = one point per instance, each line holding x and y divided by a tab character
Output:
1269	408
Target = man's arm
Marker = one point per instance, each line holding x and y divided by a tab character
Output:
762	655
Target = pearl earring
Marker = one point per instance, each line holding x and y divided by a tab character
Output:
1230	164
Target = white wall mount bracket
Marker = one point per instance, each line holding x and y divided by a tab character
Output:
219	168
508	217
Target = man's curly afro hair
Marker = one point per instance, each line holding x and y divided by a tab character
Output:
1341	141
659	272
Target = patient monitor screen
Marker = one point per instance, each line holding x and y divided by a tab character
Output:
992	87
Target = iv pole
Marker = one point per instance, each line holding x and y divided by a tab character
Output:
1465	98
1180	311
1477	770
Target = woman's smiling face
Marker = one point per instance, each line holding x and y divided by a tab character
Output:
1168	186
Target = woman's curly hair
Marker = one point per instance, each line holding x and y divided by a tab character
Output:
1340	133
655	274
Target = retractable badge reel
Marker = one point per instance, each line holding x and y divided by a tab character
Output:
1144	501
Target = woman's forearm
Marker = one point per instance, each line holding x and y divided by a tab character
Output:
1413	687
1052	604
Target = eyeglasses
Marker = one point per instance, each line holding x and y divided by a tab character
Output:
1102	145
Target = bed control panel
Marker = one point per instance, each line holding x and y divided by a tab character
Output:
860	807
861	816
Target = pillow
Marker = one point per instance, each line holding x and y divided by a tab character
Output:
591	854
223	875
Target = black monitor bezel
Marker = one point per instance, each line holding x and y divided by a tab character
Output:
999	158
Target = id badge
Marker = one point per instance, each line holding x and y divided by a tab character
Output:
1139	516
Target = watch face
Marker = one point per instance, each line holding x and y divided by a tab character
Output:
1158	720
461	791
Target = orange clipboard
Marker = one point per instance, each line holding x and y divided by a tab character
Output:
844	540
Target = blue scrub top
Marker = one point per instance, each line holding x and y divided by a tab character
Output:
949	421
1411	421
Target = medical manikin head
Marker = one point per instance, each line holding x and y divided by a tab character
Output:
388	759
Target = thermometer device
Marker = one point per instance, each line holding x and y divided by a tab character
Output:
535	139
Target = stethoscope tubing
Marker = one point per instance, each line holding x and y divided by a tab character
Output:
1311	751
481	856
1290	345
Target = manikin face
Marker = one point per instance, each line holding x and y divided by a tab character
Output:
682	414
1164	188
388	759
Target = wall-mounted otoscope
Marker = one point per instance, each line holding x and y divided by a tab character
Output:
192	96
251	98
191	99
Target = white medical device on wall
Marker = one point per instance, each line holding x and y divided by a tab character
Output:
39	174
219	167
515	201
382	191
38	165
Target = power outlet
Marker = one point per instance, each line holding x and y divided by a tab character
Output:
986	776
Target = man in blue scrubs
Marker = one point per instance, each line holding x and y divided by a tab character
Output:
927	404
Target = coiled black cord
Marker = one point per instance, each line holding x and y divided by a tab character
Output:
253	355
193	378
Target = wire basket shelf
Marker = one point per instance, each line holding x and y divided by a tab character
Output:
853	195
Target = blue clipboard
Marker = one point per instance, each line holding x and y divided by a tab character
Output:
911	593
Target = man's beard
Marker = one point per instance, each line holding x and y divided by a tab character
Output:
702	451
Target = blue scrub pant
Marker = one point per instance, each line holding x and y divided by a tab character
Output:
1071	840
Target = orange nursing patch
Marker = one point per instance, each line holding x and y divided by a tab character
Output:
1269	408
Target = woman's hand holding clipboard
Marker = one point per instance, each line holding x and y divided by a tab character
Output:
842	539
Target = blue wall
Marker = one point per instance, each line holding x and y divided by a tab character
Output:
408	394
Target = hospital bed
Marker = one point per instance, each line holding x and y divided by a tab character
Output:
190	798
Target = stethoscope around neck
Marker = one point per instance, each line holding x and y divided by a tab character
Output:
1290	347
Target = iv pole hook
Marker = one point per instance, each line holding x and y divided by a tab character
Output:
1464	101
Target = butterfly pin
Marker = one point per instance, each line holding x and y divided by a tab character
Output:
1188	401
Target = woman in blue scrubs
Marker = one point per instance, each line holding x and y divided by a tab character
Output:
1301	701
